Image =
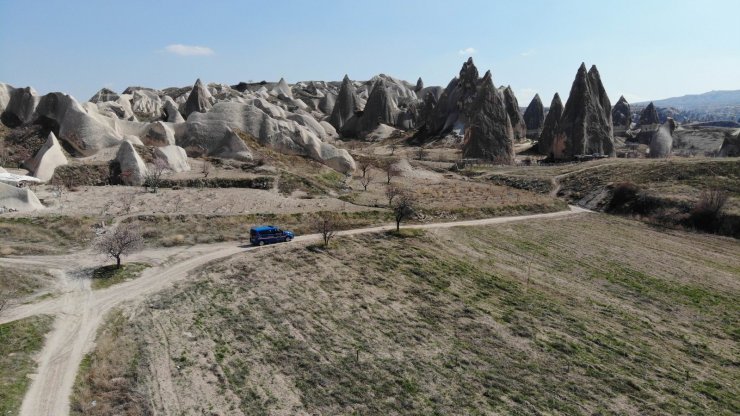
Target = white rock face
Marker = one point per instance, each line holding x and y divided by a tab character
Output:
146	105
171	110
282	89
284	135
18	199
158	134
48	158
133	168
86	132
661	143
175	157
331	132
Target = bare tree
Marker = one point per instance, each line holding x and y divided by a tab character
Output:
421	153
327	224
363	165
393	148
366	179
155	172
390	168
205	168
391	192
122	240
403	208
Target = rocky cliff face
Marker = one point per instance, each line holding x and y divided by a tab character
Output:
346	105
515	116
489	134
551	126
199	99
534	115
621	114
586	124
380	108
454	106
648	117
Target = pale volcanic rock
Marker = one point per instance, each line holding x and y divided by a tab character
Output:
133	168
199	99
18	199
47	159
175	156
661	143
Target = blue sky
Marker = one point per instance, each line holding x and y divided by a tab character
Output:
643	49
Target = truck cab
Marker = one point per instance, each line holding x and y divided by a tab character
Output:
268	234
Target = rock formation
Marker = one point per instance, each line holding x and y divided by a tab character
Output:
453	108
550	127
47	159
132	168
419	85
346	105
282	89
18	105
199	99
489	134
379	109
731	145
515	116
586	124
84	129
175	156
648	116
146	105
18	199
661	143
104	95
534	115
621	114
216	132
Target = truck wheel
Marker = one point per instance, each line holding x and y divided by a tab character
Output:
262	243
288	238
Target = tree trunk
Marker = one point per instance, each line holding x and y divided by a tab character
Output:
118	262
398	224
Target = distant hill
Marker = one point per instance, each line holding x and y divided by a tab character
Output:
711	99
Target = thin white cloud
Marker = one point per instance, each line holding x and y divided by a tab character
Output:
528	53
189	50
467	51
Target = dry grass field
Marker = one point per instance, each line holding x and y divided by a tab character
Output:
591	314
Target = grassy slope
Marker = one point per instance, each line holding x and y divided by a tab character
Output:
594	314
678	178
19	341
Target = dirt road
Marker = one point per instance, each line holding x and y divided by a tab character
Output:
79	311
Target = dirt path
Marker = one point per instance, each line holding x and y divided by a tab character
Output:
555	180
79	311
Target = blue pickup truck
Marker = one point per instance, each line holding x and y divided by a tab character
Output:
269	234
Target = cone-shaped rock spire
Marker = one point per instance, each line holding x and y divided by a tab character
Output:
489	134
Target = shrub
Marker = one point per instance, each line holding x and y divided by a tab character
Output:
707	215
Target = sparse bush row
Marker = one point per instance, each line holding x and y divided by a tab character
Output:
707	214
260	182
